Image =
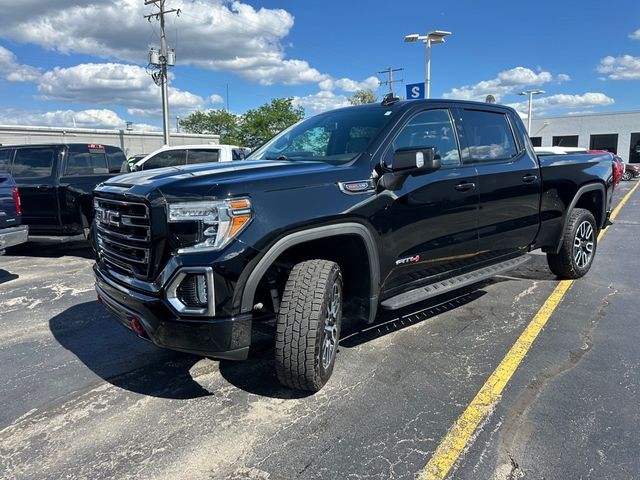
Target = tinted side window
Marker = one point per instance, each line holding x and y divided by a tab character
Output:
33	162
5	160
489	136
170	158
85	163
115	159
203	156
432	128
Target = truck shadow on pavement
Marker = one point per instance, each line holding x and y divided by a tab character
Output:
256	375
119	357
6	276
53	250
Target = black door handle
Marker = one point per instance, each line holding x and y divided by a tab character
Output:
464	186
529	178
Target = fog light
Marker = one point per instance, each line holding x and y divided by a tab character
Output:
191	291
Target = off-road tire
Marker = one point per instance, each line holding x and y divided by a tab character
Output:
573	260
305	324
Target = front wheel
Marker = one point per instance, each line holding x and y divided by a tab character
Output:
627	175
308	326
578	246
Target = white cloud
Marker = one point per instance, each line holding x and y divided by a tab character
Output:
565	101
215	98
321	101
348	85
114	84
625	67
506	82
213	34
562	77
91	118
11	70
635	35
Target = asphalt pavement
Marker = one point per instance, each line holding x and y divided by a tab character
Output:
82	397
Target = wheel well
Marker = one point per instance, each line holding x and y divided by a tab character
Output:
348	251
592	201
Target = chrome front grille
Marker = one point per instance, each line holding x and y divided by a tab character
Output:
123	235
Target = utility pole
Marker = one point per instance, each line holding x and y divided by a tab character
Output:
390	81
162	59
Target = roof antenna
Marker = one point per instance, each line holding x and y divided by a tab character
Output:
389	99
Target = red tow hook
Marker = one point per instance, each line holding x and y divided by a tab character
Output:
136	326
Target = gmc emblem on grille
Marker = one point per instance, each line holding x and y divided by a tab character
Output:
108	217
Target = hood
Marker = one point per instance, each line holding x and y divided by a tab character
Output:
198	180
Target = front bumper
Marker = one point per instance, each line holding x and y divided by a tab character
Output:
218	337
13	236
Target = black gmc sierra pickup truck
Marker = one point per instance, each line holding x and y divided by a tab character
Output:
56	182
365	207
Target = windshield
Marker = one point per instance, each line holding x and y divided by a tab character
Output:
335	137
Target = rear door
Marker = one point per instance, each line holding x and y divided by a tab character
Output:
432	221
508	180
34	170
8	216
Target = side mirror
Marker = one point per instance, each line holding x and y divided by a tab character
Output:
414	161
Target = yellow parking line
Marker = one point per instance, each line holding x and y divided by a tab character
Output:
460	434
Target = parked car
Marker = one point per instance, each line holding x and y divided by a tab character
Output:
12	232
631	170
366	207
190	155
56	183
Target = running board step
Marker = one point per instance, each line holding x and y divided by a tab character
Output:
438	288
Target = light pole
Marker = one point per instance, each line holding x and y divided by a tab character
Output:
431	38
530	93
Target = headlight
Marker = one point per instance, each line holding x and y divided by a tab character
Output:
217	222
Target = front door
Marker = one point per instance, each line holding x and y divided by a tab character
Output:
432	219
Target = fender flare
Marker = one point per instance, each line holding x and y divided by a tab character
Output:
576	198
350	228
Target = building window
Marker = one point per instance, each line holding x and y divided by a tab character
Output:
608	142
536	141
634	152
565	141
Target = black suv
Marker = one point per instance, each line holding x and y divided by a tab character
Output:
354	209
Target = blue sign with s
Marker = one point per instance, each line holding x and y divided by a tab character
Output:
415	91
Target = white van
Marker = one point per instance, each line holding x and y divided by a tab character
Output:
190	155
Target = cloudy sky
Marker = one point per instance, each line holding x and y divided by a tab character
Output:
82	62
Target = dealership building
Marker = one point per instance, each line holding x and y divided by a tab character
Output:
130	141
616	132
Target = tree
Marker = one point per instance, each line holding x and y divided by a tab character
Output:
262	123
360	97
218	122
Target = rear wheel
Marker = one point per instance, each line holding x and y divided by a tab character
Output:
578	246
308	326
627	175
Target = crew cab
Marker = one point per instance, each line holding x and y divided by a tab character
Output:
56	183
11	231
179	155
352	210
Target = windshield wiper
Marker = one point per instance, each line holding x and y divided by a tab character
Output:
279	157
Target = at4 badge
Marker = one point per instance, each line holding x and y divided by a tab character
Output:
404	261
